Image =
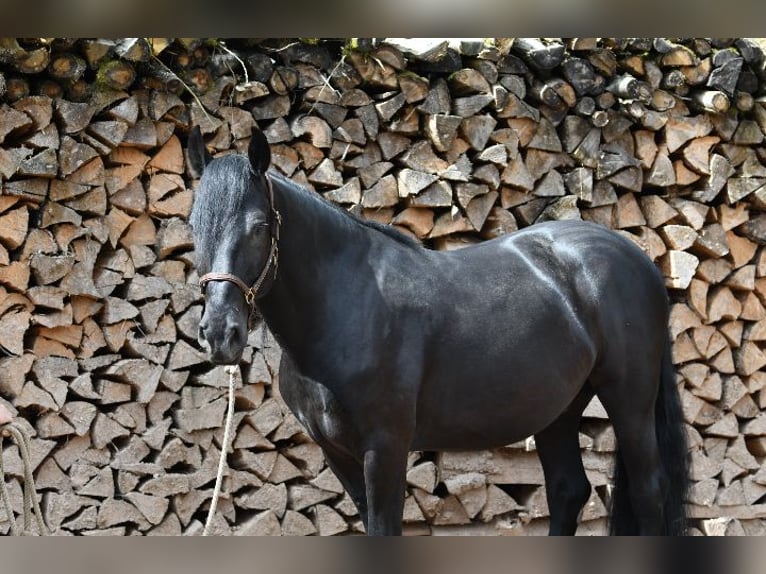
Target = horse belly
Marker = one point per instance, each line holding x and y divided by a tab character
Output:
493	416
483	395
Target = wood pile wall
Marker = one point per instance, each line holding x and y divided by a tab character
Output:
660	139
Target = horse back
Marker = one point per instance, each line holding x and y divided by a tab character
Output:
523	321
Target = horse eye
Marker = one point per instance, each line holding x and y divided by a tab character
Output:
260	228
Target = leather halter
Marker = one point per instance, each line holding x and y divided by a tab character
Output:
252	292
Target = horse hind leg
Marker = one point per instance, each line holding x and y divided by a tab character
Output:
566	484
629	402
643	473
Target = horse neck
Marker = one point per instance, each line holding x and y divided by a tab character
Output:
317	243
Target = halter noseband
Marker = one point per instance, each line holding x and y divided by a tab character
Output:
251	293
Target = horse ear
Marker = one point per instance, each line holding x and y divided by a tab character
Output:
259	152
199	157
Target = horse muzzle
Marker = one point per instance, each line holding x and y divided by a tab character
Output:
223	337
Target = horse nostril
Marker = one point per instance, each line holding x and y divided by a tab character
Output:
201	332
231	336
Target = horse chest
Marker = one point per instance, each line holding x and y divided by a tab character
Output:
314	404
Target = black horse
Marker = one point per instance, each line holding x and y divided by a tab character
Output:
390	347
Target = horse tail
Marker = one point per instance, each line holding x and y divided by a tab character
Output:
673	448
673	444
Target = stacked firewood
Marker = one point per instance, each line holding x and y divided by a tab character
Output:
452	143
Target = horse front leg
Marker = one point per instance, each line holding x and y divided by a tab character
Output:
385	468
350	472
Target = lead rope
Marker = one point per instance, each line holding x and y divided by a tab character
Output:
231	370
31	506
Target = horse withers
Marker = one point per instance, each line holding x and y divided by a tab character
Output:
390	347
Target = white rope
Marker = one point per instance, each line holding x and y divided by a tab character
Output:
31	505
231	370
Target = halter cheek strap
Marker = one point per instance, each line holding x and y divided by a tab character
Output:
272	262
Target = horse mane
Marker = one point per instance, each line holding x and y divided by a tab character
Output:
388	230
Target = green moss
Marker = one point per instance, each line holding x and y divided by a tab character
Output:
350	45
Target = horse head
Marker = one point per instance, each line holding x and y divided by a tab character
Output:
235	225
